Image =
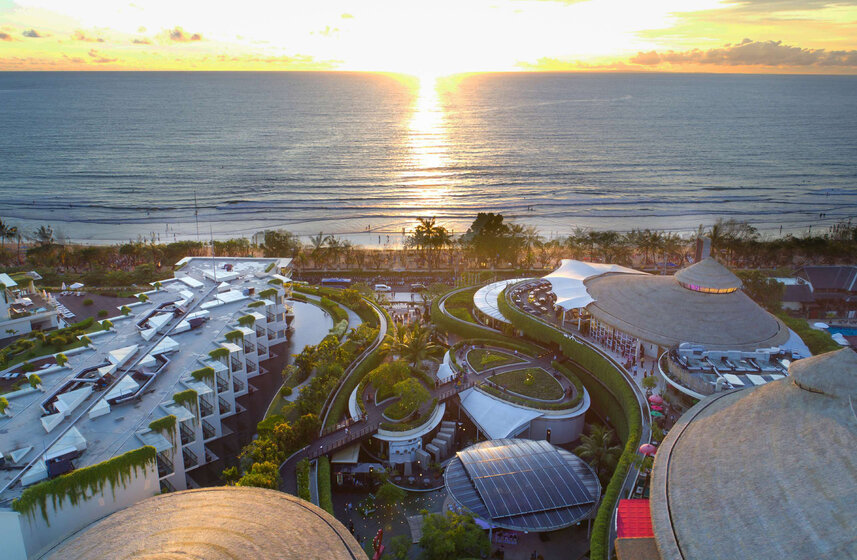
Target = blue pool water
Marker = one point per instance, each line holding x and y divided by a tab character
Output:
844	331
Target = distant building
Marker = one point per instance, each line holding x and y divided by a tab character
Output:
173	374
834	290
765	473
24	309
798	295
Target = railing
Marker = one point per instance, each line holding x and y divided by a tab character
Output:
187	434
208	430
222	384
225	407
262	349
314	452
249	347
236	365
166	486
207	409
190	458
237	385
165	466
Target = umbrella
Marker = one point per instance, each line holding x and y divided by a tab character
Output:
656	399
648	449
658	408
657	414
821	325
76	286
63	288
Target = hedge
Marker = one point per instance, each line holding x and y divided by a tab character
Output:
302	474
462	328
335	311
625	415
325	497
415	423
373	360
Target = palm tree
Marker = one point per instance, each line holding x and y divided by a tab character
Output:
44	235
7	232
418	345
394	343
598	450
317	251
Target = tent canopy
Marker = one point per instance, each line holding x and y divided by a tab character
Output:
567	281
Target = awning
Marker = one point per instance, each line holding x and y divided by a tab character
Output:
497	418
567	281
634	519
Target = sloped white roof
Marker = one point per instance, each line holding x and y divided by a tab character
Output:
7	281
567	281
124	387
498	419
445	372
121	355
485	298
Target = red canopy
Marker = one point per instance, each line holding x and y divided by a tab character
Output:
633	519
648	449
656	399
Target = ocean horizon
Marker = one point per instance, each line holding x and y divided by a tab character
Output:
106	157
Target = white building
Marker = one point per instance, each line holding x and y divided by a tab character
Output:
22	308
166	375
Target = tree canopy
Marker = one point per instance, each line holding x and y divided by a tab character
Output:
451	536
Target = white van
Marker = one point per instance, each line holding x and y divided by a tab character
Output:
383	288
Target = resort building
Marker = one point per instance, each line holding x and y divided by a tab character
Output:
156	387
220	523
834	290
24	309
522	485
717	336
764	473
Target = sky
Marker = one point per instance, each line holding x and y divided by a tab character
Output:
431	38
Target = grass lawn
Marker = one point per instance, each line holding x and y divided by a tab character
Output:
460	305
531	382
398	410
817	341
40	350
482	359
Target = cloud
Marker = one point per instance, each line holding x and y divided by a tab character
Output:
98	58
774	6
32	34
181	36
328	31
75	59
81	36
751	53
347	16
5	37
142	41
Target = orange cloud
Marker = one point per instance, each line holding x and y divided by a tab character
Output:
179	35
751	53
5	37
98	58
81	36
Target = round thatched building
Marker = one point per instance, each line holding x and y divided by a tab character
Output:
767	473
215	523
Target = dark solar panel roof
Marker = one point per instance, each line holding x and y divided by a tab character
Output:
523	484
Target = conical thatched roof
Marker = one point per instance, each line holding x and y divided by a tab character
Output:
225	523
766	473
708	274
833	374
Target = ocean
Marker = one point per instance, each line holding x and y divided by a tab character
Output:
109	156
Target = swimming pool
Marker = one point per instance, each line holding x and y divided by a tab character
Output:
844	331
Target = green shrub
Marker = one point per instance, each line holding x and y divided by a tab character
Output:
102	313
106	324
286	391
87	302
325	496
203	373
302	473
27	367
233	336
339	328
247	321
35	381
61	359
125	310
334	309
817	341
218	353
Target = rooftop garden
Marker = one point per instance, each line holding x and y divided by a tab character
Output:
482	359
37	343
530	382
460	305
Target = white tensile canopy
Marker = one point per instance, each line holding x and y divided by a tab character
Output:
567	281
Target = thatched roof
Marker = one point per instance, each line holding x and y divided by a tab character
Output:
708	274
658	310
765	472
637	549
215	523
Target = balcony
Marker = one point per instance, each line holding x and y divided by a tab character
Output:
251	367
165	466
167	487
237	385
190	458
205	408
208	431
249	347
187	434
236	365
263	350
225	407
222	384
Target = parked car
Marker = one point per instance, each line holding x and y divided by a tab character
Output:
383	288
